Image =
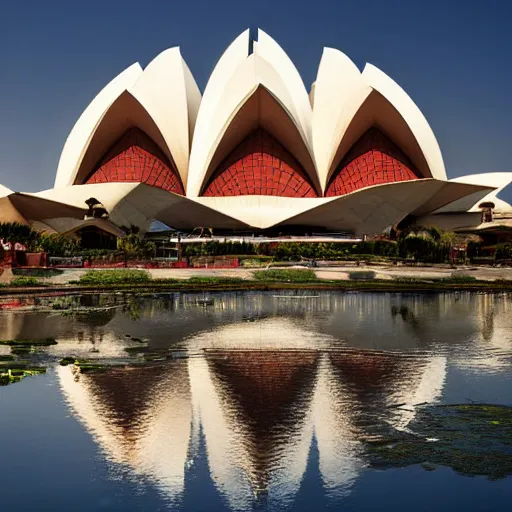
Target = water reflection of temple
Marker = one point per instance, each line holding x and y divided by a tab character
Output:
256	395
454	324
269	378
140	417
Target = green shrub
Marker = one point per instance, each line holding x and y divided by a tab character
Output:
293	251
292	275
460	278
114	276
36	272
361	275
24	281
503	252
214	280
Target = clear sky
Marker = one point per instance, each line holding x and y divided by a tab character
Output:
453	57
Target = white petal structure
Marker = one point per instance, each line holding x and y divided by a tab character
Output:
465	214
416	122
4	191
471	203
257	151
168	92
204	135
79	137
247	92
339	91
162	101
137	204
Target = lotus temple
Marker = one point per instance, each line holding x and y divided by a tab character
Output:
256	152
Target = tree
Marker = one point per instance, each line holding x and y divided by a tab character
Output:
55	244
426	244
134	245
16	232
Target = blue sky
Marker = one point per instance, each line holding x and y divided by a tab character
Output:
452	57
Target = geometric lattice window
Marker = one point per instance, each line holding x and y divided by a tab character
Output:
372	160
260	165
136	158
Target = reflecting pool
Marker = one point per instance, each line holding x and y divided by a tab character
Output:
252	401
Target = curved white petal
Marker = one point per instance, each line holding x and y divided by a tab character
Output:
269	50
412	115
170	95
261	211
124	113
235	54
372	209
4	191
138	204
338	91
237	111
262	107
78	139
498	180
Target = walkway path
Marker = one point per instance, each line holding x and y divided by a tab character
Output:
331	273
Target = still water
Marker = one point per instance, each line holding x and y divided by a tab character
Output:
270	410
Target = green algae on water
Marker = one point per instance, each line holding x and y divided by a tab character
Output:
472	439
39	342
16	371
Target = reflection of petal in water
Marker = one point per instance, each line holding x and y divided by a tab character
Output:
220	437
140	417
254	411
257	394
266	397
252	394
426	387
269	333
350	385
338	447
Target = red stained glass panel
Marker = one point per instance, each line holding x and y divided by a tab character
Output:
260	166
372	160
136	158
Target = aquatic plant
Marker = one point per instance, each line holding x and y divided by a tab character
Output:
65	361
39	342
11	372
472	439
